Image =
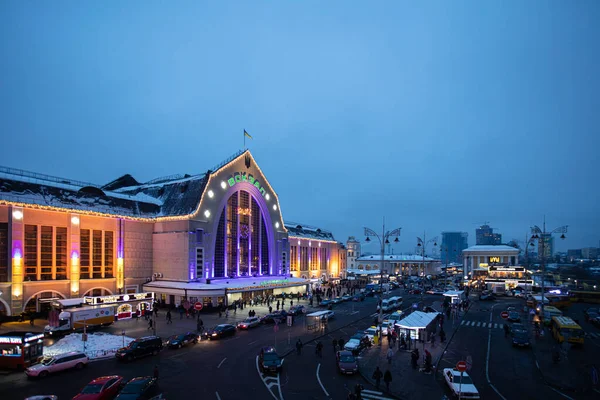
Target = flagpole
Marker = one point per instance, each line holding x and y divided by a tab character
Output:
244	133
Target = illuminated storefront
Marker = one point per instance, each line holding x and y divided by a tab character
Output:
495	265
19	350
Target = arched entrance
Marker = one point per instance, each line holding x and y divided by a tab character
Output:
40	301
98	291
4	308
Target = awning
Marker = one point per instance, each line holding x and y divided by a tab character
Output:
417	320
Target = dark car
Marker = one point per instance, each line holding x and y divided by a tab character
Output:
414	291
178	341
357	343
278	316
102	388
269	360
358	297
591	312
595	321
514	316
141	347
487	297
140	388
220	331
517	328
520	338
296	310
346	363
325	303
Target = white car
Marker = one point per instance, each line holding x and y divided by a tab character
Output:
346	297
59	362
352	344
463	385
248	323
328	315
371	332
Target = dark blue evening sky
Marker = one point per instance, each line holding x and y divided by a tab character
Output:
438	115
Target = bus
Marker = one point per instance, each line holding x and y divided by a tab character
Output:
550	312
558	300
584	296
391	304
565	328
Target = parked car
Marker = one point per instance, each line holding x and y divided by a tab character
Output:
269	360
102	388
327	315
141	347
278	316
460	384
337	300
487	296
346	297
346	363
220	331
414	291
60	362
520	338
248	323
591	310
296	310
325	303
178	341
518	327
371	332
357	343
595	321
140	388
514	316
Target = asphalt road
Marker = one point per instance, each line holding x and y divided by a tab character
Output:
221	369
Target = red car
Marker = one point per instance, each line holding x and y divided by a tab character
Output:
103	388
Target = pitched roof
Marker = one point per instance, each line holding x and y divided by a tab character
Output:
308	232
175	195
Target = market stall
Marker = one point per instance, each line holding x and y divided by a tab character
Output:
413	324
19	350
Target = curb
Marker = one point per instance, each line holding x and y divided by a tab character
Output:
450	341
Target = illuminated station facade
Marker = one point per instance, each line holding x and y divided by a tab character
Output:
213	238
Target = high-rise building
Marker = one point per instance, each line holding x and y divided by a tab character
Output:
484	235
453	243
547	246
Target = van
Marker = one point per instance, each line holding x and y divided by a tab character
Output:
141	347
60	362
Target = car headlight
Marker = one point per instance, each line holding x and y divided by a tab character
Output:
214	334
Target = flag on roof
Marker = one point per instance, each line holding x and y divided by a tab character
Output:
247	134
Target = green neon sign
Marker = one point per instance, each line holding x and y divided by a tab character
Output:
240	177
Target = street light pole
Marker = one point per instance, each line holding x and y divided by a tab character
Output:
423	243
383	240
542	234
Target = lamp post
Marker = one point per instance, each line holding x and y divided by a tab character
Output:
422	243
383	240
540	233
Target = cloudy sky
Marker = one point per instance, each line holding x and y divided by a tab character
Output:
438	116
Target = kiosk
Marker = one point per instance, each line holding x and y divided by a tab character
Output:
20	350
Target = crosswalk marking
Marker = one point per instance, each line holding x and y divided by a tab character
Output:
591	334
491	325
462	322
495	325
479	323
371	394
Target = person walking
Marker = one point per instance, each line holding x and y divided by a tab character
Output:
270	309
319	349
442	336
377	375
149	324
389	355
169	320
227	313
335	345
341	343
506	330
299	347
155	373
387	378
31	319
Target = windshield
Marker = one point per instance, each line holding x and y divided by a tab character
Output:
577	333
134	387
371	331
248	320
47	360
95	388
347	359
133	345
271	357
180	337
466	380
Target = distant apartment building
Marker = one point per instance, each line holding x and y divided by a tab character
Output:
484	235
589	253
353	252
453	243
574	254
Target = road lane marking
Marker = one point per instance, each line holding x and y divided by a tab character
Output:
221	363
319	379
487	358
218	397
478	324
462	322
561	393
251	343
495	325
265	382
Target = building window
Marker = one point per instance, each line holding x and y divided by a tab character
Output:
255	239
303	258
97	254
46	253
84	243
324	258
61	253
244	229
4	252
220	248
264	249
199	236
314	258
294	258
232	235
109	254
31	252
199	262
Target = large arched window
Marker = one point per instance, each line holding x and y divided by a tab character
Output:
241	244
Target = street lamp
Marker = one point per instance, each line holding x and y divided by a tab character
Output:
538	233
383	240
422	243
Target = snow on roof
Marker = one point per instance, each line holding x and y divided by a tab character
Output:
491	248
231	285
307	232
454	293
362	271
395	257
417	319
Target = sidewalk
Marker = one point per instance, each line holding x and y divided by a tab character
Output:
407	383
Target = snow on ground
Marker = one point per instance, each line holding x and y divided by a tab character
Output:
98	345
